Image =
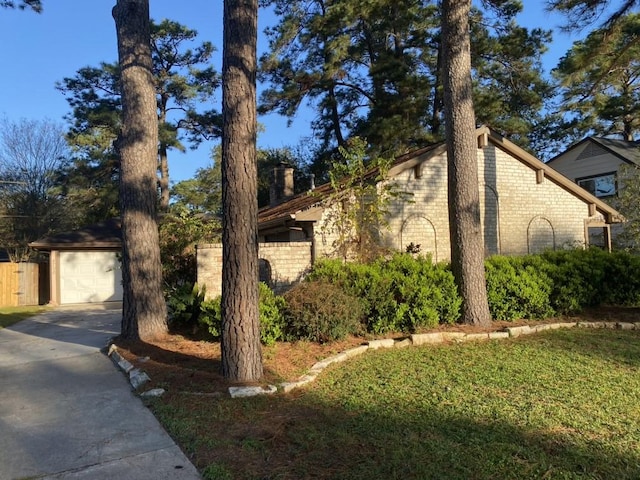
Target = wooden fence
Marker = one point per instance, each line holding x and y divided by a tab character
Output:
23	284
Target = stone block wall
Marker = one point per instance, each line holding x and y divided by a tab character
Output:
281	265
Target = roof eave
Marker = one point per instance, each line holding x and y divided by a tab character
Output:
76	246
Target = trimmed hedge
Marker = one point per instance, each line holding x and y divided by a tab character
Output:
517	287
406	294
271	311
401	293
322	312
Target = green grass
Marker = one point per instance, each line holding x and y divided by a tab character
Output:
556	405
11	315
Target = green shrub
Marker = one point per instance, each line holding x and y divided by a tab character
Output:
578	277
414	294
272	321
402	293
518	288
322	312
271	310
179	231
622	284
183	306
211	317
561	281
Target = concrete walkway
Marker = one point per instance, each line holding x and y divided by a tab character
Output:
66	412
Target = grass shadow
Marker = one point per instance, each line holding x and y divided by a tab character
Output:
525	408
12	315
303	436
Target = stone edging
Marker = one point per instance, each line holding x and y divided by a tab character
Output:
443	337
138	378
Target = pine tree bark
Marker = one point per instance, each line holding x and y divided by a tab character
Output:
144	312
467	250
241	351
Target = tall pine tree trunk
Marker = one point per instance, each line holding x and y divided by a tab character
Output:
241	351
144	312
467	250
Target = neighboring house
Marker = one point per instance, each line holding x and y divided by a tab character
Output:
594	162
526	207
84	265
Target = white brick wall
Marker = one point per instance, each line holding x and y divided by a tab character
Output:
281	264
518	215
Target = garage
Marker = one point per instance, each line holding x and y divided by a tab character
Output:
84	264
89	277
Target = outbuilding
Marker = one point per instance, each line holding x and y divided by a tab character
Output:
84	264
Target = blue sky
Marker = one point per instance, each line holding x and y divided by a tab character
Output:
38	50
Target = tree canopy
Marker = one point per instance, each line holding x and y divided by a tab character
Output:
32	152
600	82
184	81
373	70
35	5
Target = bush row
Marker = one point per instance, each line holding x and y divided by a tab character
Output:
401	293
407	294
561	282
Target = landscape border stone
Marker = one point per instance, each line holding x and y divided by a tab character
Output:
138	377
442	337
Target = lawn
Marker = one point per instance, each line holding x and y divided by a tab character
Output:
11	315
560	404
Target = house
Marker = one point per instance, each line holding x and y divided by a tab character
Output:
84	265
526	207
594	163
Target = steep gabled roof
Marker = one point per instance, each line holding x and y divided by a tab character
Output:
295	208
625	150
107	234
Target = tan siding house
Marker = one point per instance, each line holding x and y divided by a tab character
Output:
594	162
526	206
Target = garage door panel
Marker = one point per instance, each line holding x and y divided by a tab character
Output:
88	277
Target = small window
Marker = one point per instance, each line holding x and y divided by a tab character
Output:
599	185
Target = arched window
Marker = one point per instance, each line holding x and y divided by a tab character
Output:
419	232
265	272
540	235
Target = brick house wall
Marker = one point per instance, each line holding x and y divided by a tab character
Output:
526	207
281	265
518	214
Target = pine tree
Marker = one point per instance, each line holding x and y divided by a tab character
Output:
467	252
241	350
144	311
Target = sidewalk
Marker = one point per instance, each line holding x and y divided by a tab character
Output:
66	412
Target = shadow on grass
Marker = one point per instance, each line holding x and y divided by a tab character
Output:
410	414
289	437
17	315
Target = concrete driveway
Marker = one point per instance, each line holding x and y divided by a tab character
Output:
66	412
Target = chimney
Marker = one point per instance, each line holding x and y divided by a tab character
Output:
281	184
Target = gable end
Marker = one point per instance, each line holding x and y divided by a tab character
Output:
591	150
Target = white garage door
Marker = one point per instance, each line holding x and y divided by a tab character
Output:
88	277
